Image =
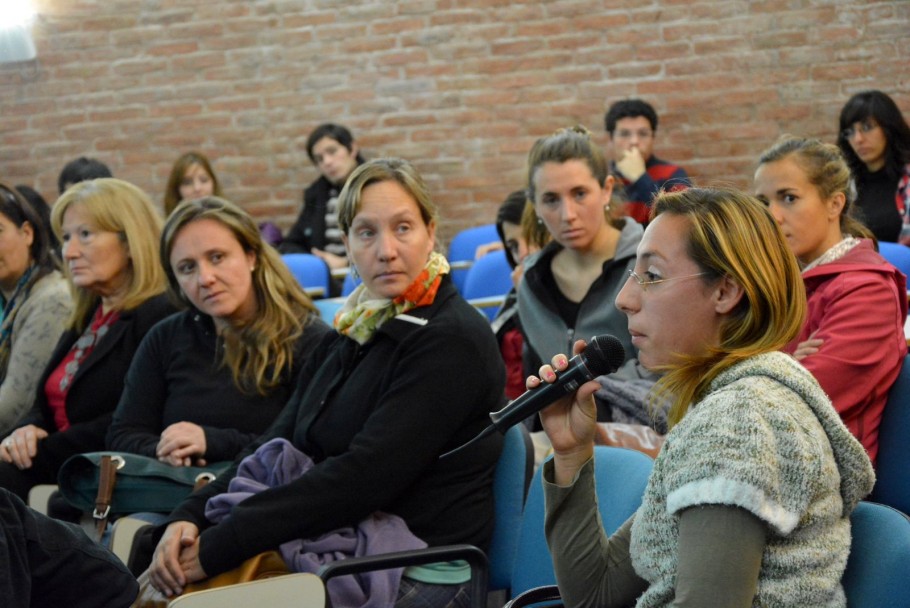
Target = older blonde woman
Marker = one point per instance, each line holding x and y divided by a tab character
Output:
109	230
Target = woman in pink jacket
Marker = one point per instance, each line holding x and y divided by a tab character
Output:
853	340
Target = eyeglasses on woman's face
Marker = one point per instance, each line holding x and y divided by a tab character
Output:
652	279
864	127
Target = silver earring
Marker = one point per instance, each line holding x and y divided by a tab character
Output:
353	271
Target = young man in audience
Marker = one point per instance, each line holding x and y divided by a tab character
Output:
632	126
79	170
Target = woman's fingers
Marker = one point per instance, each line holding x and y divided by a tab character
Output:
165	572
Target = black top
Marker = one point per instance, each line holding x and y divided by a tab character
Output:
177	376
876	202
375	419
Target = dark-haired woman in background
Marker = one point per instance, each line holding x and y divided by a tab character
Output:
875	139
35	303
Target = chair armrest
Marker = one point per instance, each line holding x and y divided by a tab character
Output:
546	593
431	555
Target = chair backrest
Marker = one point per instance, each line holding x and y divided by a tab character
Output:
510	487
878	569
301	590
350	283
310	271
463	247
892	467
621	476
489	276
897	255
327	308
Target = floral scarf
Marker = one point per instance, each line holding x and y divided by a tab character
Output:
363	313
835	253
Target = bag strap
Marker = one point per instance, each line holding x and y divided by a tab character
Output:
107	479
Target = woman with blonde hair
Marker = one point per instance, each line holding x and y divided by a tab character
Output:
209	380
857	300
376	396
109	230
751	494
191	177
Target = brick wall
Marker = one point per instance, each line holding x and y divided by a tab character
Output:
460	87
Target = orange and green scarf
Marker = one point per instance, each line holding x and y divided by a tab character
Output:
363	313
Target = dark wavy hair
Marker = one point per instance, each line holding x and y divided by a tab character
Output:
19	211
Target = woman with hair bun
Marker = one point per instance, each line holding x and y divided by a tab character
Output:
853	339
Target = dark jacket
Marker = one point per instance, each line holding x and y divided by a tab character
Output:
375	419
309	229
92	397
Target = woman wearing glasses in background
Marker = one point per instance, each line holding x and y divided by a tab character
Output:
749	500
875	140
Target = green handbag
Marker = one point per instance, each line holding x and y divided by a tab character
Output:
116	483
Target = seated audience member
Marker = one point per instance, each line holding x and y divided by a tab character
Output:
191	177
110	230
35	303
44	214
48	563
875	139
79	170
376	397
632	127
207	381
853	340
588	260
729	517
506	325
333	150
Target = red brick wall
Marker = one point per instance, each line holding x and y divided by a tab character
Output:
460	87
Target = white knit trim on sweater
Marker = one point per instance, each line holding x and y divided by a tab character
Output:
719	490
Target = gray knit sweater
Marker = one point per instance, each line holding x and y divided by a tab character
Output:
766	439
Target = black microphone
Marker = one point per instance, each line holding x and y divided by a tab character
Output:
603	355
